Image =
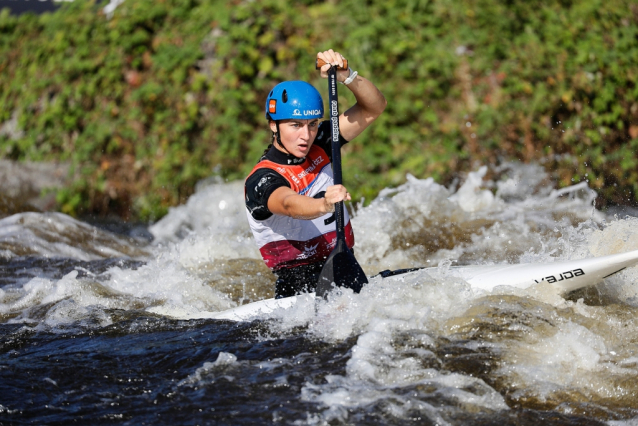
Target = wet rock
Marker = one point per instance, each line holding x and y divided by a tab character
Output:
11	205
25	185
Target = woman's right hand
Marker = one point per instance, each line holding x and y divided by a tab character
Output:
330	57
334	194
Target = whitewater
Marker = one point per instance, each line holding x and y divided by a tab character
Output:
95	326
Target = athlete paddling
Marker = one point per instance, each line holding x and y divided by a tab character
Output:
290	194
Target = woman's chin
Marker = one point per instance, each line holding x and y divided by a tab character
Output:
301	152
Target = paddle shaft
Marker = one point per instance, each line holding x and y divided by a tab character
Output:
341	268
333	101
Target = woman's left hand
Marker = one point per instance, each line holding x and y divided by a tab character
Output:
333	58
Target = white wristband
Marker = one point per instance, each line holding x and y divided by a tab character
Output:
351	77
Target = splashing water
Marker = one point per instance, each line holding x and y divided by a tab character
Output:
420	347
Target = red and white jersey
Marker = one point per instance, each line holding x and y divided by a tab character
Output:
285	242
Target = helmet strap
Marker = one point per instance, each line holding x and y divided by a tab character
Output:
278	137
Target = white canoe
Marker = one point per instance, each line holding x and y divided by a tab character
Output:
565	276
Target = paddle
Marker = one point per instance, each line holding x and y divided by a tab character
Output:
341	268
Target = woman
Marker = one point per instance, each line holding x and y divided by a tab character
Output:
290	194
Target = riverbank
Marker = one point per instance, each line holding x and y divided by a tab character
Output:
149	100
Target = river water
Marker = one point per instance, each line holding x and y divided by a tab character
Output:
94	331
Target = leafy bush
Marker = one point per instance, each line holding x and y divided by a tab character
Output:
167	92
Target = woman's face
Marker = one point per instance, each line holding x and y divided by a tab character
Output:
297	136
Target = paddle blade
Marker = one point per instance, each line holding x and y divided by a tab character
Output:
341	269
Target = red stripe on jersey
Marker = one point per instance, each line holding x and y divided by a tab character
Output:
289	254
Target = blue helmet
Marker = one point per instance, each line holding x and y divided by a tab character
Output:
294	99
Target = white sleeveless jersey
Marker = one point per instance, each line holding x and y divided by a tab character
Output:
285	242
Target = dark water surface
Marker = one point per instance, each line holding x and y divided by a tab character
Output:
140	371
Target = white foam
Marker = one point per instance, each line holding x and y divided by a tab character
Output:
628	422
471	198
614	236
211	226
59	235
423	221
159	285
207	372
379	368
573	357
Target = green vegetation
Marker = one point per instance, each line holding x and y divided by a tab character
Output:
166	92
